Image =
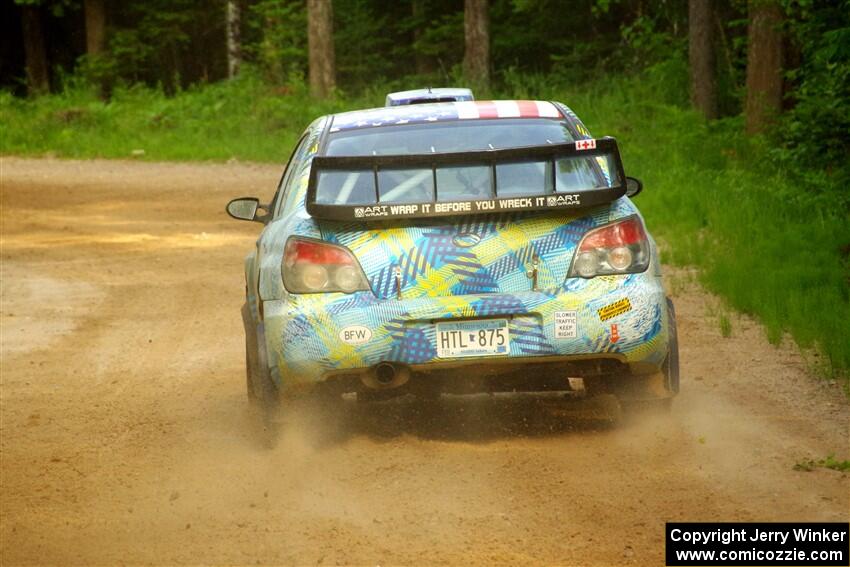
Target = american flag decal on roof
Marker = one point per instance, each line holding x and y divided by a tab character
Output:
439	112
507	109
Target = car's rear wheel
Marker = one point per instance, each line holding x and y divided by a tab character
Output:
262	391
671	365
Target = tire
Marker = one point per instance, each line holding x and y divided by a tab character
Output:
671	364
261	390
250	362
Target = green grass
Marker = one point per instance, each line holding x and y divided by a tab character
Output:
769	246
243	120
725	326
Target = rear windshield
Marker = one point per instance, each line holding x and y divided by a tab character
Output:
443	137
472	181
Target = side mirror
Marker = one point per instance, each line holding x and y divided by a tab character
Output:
633	186
246	208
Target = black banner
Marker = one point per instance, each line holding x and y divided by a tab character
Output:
758	544
493	204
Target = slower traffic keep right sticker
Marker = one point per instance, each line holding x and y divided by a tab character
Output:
566	324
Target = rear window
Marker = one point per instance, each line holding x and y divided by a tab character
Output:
466	182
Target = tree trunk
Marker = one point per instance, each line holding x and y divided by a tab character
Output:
321	47
764	64
702	57
95	26
95	14
38	80
234	39
476	29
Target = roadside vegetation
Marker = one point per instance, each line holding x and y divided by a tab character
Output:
829	462
766	215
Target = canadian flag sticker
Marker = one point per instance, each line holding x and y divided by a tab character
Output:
586	144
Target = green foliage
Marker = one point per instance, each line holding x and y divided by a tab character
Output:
57	8
363	41
648	44
242	119
812	134
586	39
156	42
441	39
279	48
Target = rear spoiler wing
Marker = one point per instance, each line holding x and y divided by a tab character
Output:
587	148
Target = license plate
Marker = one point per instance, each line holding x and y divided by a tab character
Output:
473	338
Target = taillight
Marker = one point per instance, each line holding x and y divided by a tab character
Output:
617	248
314	266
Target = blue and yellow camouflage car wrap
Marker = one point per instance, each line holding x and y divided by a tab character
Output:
423	272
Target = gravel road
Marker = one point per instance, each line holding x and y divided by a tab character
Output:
126	437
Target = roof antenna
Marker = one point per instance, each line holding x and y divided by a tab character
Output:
429	90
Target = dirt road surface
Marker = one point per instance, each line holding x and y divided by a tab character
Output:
127	438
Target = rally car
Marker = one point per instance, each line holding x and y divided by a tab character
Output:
455	246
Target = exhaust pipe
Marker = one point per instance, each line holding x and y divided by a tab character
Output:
386	375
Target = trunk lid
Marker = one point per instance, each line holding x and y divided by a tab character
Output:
452	256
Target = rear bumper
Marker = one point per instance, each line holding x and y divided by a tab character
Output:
497	374
621	326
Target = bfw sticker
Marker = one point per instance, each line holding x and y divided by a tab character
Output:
566	324
355	334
